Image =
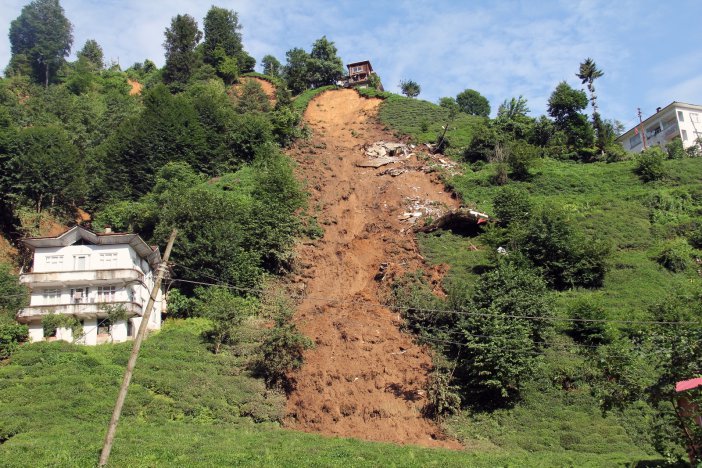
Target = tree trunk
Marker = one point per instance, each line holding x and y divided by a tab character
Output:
46	75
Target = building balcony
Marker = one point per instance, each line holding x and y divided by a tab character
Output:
81	310
671	132
84	277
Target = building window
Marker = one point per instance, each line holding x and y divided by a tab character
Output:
79	294
634	141
356	69
54	259
52	295
680	116
684	135
80	262
106	293
107	260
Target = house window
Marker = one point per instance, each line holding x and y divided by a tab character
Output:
79	294
52	296
684	135
356	69
80	262
106	293
634	141
680	116
54	259
107	260
694	117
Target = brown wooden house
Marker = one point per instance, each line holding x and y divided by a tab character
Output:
359	74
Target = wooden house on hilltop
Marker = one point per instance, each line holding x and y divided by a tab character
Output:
359	75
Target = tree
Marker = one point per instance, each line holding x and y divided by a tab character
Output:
324	67
92	53
565	105
449	103
43	35
511	205
181	59
222	29
498	350
271	66
649	164
588	74
295	71
473	103
513	108
252	98
225	310
410	88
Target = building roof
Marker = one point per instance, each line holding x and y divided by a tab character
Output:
685	385
76	233
370	67
664	109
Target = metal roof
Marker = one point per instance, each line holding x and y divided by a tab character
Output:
76	233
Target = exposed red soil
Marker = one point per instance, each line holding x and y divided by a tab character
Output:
136	87
266	85
364	378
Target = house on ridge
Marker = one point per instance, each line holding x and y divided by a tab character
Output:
676	120
86	275
359	75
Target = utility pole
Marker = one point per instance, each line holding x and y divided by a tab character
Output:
122	395
643	131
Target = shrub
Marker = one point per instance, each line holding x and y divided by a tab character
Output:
511	204
616	153
13	295
225	310
675	149
520	158
51	322
443	396
675	255
649	164
11	335
589	332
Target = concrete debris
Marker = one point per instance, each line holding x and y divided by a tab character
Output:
394	172
382	153
418	208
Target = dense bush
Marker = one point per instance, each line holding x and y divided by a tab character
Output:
226	311
675	255
589	325
649	164
11	335
511	205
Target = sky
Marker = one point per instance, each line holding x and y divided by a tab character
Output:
649	50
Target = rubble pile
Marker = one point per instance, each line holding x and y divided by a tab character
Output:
382	153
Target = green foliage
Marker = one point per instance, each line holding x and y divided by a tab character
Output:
649	164
589	325
11	335
222	36
295	71
473	103
287	125
521	157
410	88
675	255
498	350
419	307
282	348
92	53
444	397
181	59
324	67
42	36
511	205
226	311
252	98
13	295
513	108
449	103
271	66
675	149
565	106
566	256
374	81
51	322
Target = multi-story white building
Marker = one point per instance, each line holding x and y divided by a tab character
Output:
676	120
84	274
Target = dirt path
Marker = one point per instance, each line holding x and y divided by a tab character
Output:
364	378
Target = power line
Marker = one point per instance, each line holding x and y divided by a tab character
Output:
450	311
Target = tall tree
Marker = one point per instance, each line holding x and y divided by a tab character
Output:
92	52
588	74
43	35
295	70
222	29
271	66
324	67
181	59
565	106
410	88
472	102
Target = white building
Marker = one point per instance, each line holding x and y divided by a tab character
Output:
676	120
84	274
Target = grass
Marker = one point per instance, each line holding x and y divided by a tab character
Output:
274	80
189	407
301	101
423	120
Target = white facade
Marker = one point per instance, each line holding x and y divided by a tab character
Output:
83	274
676	120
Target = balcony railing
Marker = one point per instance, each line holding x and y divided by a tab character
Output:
80	309
61	278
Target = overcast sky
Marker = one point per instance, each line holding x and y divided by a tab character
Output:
649	50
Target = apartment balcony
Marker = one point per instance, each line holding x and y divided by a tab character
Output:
84	277
81	310
671	132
